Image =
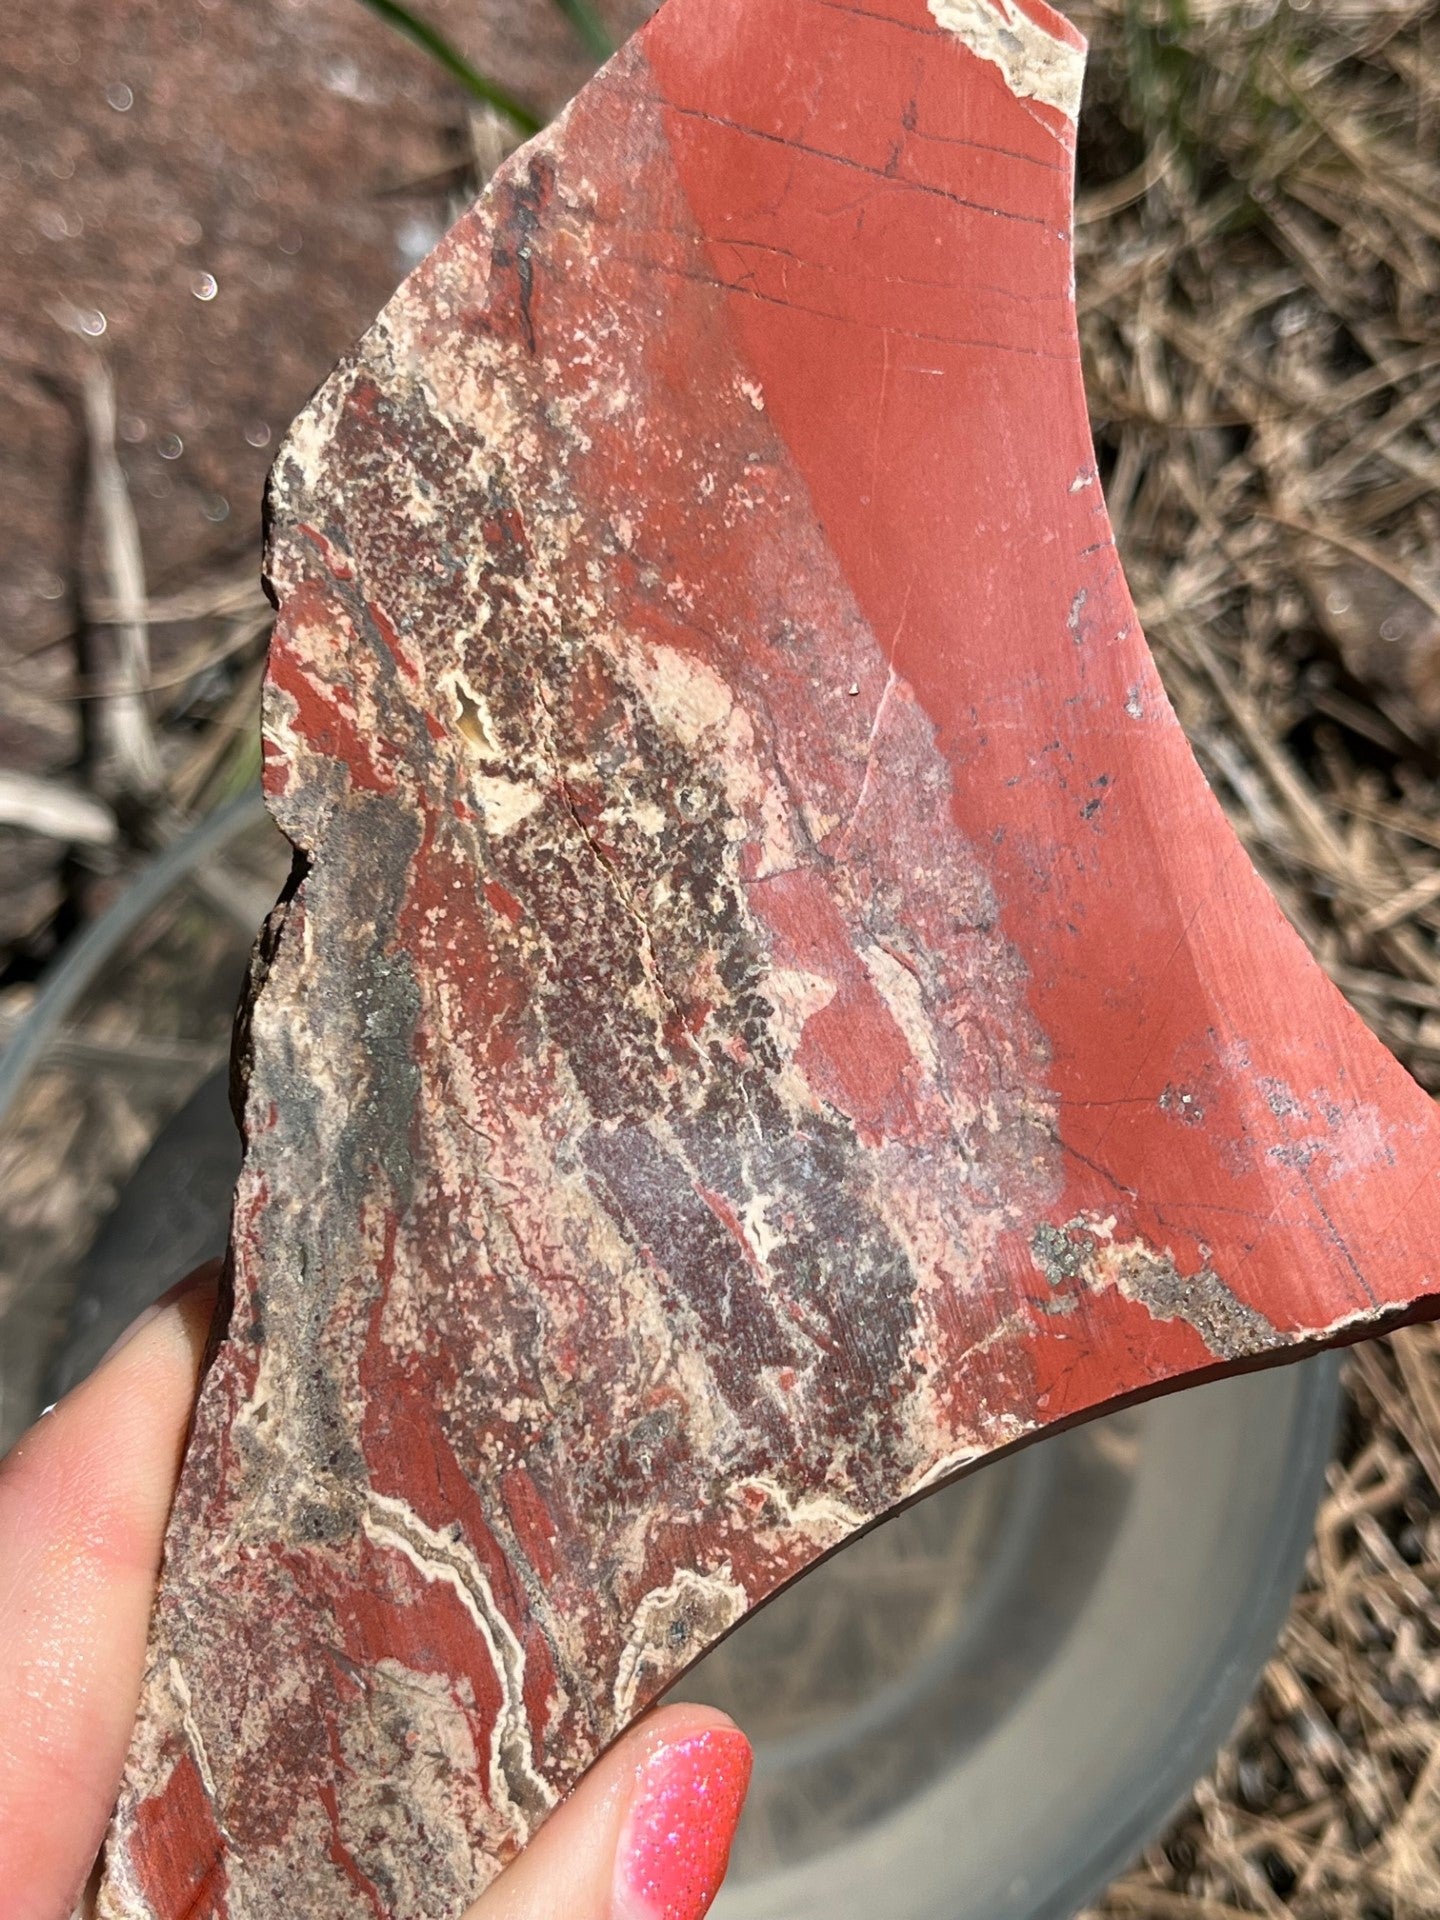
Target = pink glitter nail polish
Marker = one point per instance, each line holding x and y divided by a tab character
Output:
676	1843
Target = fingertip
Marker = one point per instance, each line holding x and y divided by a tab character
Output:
183	1314
674	1846
83	1503
644	1836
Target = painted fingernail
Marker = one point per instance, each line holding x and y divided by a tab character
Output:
676	1843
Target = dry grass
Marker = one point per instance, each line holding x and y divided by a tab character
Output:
1326	1804
169	693
1260	315
1259	273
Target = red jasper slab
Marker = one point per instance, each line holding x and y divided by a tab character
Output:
770	1013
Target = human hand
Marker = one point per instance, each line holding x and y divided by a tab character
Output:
83	1502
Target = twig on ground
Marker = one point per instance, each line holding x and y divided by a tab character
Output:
129	761
50	807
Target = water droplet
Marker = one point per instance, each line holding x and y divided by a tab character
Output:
414	237
132	428
290	242
216	507
90	320
49	586
1392	628
1337	602
342	77
258	434
119	96
188	231
169	446
204	286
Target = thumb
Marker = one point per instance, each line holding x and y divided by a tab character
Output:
645	1836
83	1499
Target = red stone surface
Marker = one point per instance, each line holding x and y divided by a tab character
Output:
772	1014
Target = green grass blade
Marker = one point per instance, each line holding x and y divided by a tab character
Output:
454	62
590	27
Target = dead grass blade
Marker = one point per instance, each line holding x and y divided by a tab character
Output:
130	762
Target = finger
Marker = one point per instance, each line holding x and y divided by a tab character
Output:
83	1502
645	1836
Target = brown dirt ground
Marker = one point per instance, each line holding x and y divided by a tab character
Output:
1258	269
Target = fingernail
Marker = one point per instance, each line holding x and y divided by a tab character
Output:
200	1277
676	1842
